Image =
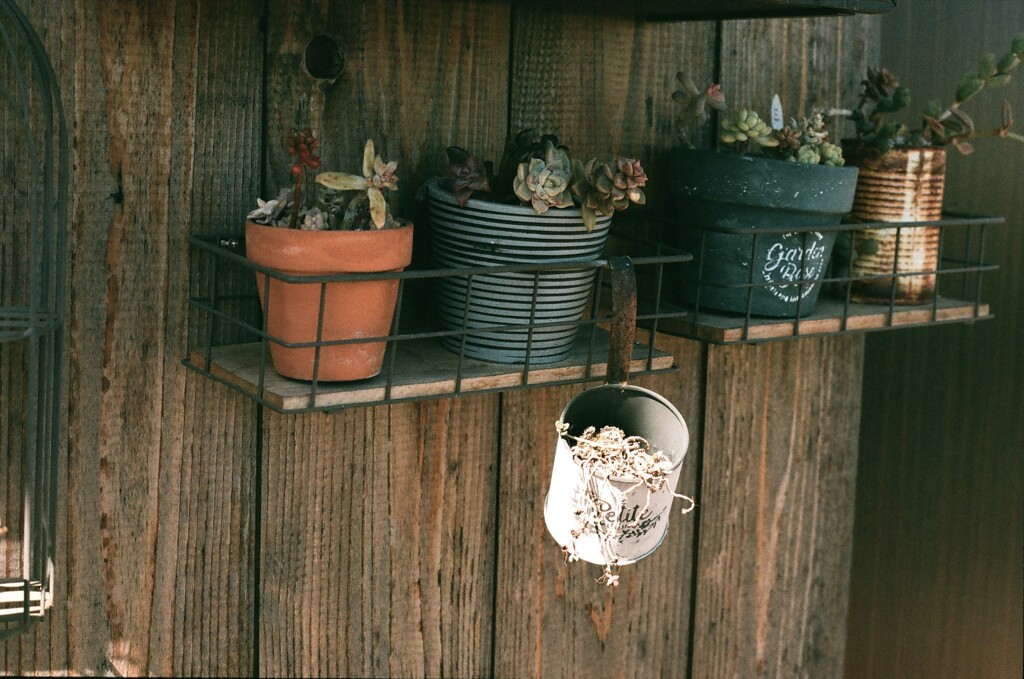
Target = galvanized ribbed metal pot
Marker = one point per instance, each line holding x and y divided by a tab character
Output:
483	233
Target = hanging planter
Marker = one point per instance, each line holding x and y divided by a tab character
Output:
618	458
783	269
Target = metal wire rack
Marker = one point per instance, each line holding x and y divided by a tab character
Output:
230	341
33	220
957	272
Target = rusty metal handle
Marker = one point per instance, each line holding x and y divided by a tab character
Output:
623	324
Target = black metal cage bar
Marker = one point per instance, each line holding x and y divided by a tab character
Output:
33	221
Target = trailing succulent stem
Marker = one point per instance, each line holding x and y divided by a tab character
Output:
883	94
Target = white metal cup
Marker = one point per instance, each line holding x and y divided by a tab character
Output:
643	515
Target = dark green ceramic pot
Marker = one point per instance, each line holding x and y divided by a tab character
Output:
742	193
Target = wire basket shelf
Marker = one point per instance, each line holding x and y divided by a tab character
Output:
849	299
425	359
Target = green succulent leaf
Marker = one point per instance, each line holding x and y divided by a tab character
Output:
1017	47
988	66
969	86
1008	63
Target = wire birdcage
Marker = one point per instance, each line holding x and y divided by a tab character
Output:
33	222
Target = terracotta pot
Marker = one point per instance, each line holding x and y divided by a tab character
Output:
901	185
352	309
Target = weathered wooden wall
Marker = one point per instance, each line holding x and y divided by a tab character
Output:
201	536
937	588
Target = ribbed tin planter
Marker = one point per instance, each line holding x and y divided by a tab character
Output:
714	189
643	515
352	309
901	185
484	233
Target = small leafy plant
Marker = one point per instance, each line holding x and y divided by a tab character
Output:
882	95
540	172
801	140
603	455
334	200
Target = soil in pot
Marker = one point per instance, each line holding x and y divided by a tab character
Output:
352	309
775	274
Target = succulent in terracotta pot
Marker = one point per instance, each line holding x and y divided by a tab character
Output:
338	223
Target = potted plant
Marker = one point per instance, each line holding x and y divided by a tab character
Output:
789	175
339	224
902	178
618	458
539	206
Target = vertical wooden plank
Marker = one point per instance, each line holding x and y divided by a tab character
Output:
938	566
809	63
603	83
129	78
781	420
378	529
204	585
553	619
384	554
135	63
780	449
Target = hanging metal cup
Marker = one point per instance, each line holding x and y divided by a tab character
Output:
643	515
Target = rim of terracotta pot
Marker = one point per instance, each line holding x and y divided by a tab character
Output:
366	251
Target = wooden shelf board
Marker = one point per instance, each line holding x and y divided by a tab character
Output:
744	9
828	317
423	368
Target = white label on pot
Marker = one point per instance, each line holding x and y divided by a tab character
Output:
777	113
792	259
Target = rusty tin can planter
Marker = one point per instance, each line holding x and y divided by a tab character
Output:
901	185
351	309
723	198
